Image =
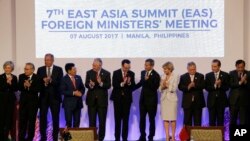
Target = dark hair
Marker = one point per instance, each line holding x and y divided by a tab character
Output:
69	66
240	62
151	61
125	61
217	61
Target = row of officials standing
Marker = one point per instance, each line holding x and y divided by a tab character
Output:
51	84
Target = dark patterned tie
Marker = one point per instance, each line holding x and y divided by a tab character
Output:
49	72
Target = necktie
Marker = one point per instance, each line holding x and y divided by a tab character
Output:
97	75
147	74
216	75
30	81
192	78
239	75
49	72
124	75
73	81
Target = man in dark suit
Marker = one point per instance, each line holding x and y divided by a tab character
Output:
98	82
239	94
217	83
248	108
8	87
192	84
29	86
72	89
150	82
123	83
50	97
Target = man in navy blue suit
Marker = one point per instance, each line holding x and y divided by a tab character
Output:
73	89
239	94
217	84
150	82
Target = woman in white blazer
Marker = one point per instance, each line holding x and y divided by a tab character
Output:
169	99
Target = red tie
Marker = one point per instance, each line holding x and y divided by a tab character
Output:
97	75
124	75
73	81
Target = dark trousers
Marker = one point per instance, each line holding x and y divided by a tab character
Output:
93	111
6	117
248	115
27	119
54	106
192	114
121	110
72	113
151	111
238	110
216	114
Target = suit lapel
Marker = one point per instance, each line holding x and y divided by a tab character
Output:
32	78
188	78
213	77
77	81
4	77
53	71
221	75
152	73
101	74
121	74
93	76
44	71
195	78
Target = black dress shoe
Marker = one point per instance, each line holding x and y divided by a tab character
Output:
141	139
150	139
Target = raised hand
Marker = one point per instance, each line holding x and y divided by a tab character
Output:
99	80
9	79
27	83
77	93
191	85
218	82
91	83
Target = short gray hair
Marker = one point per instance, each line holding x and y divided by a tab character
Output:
31	64
168	65
189	64
9	63
49	55
98	60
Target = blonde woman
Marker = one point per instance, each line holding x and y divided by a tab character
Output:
168	87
